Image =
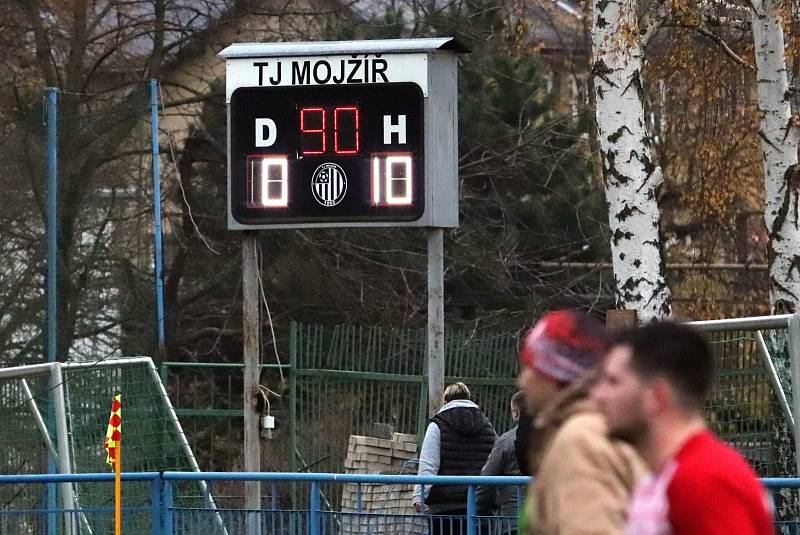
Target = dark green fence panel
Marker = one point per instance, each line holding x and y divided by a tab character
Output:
743	406
348	379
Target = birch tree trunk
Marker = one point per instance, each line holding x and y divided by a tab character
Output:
631	176
779	136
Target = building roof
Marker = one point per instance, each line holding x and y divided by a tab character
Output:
556	26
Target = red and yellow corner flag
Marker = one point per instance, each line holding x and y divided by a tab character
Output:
114	431
113	445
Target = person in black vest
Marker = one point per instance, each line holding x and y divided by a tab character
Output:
458	441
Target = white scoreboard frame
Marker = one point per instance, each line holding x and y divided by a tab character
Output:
430	63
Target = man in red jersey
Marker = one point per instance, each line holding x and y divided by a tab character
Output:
653	386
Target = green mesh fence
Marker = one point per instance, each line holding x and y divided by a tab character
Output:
745	410
487	362
208	400
346	379
364	380
21	442
150	440
23	450
350	380
357	380
743	407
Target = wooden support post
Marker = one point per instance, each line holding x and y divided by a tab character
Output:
620	319
252	371
435	319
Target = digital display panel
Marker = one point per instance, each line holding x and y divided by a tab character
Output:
327	154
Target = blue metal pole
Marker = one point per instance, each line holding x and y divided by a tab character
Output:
52	272
52	214
167	505
157	210
472	510
156	520
313	513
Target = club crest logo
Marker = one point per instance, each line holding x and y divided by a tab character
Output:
329	184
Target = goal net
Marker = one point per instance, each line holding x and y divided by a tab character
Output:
56	414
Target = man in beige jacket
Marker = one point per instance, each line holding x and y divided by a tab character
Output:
583	480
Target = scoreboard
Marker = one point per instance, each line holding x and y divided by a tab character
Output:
339	134
327	154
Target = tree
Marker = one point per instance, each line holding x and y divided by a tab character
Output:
632	176
779	141
527	197
701	115
100	54
70	46
527	192
728	24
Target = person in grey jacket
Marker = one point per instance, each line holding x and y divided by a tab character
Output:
458	441
503	462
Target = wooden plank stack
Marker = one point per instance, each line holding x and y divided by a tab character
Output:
383	509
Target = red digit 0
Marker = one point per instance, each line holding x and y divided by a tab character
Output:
343	125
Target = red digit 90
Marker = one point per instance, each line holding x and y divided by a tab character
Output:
314	131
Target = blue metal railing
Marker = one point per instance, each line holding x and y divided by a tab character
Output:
168	518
